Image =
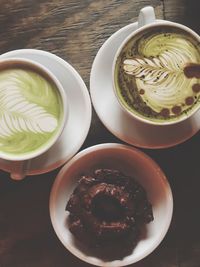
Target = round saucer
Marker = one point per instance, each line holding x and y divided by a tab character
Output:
115	119
79	117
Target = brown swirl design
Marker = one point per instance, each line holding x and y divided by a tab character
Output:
151	74
161	76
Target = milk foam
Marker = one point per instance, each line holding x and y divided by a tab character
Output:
160	71
150	74
30	111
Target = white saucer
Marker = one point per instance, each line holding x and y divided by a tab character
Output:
115	119
79	119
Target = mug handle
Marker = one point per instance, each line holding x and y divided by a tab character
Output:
146	16
20	169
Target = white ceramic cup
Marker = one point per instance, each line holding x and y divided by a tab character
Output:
147	20
21	162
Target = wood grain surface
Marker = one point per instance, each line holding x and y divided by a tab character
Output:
75	30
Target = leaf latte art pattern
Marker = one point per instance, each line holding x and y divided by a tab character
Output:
158	70
19	115
26	116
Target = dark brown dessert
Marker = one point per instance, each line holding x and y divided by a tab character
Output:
108	206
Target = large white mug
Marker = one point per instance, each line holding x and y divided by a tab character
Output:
33	112
187	103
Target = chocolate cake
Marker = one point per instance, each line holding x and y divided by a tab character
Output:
107	206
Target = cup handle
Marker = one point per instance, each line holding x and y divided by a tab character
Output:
146	16
20	169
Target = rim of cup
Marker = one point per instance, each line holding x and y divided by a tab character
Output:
135	115
47	74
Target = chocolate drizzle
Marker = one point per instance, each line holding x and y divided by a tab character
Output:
196	88
192	70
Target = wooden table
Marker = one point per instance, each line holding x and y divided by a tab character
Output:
75	30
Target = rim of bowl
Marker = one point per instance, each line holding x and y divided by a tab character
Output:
78	157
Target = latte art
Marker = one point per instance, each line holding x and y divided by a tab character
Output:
161	77
151	74
30	111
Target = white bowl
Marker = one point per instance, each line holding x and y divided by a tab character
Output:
132	162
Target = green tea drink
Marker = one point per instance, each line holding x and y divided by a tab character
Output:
31	110
150	77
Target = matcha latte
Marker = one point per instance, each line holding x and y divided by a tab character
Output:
150	74
31	110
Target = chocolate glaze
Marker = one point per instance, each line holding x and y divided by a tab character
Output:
108	206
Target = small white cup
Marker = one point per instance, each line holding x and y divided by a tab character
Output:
21	163
147	20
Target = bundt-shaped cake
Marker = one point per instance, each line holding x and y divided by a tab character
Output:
108	206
